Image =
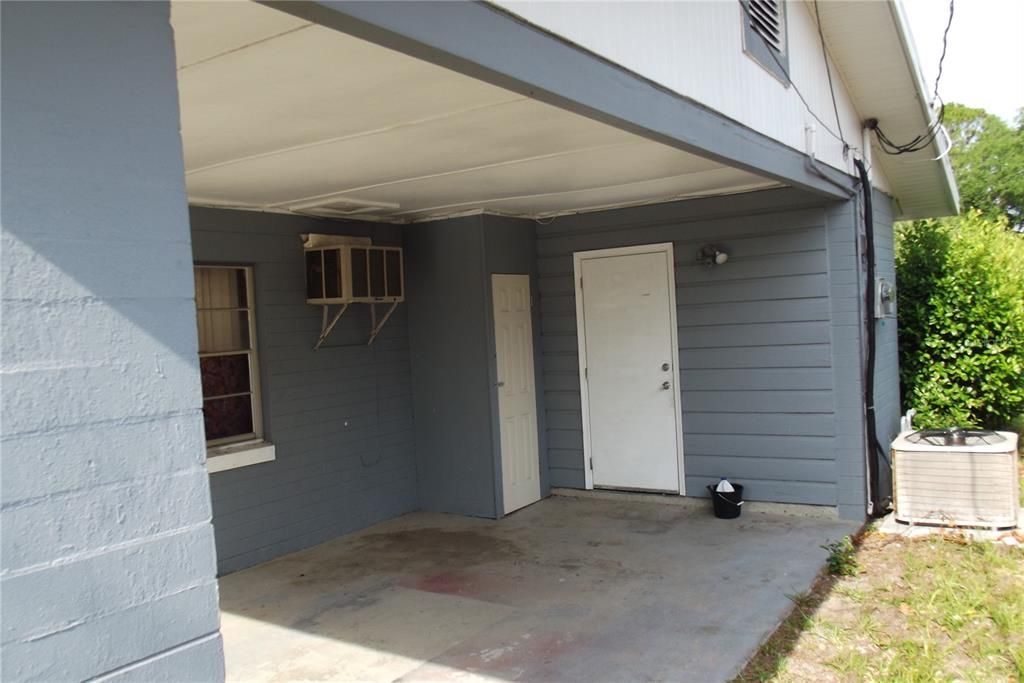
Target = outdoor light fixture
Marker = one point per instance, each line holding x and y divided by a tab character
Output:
710	255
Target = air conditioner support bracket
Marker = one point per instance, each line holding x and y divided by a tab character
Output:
326	327
327	324
376	327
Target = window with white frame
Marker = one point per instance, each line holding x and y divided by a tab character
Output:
227	355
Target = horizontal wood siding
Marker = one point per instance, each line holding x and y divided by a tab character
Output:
887	368
340	418
844	231
448	322
754	336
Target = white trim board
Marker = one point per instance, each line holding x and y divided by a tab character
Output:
577	261
229	458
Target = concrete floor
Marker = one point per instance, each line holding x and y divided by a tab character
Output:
569	589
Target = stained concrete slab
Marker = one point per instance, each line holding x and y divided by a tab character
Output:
568	589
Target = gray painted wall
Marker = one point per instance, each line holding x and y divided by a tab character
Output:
447	313
887	361
846	231
845	302
340	417
448	270
108	556
755	338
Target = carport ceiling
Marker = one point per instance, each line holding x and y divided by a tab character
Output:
282	115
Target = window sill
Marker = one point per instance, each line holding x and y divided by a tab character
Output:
220	458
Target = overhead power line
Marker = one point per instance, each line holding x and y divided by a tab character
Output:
771	50
886	144
828	71
942	57
925	139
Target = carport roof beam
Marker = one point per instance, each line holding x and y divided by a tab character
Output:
491	45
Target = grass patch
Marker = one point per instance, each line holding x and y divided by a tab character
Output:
933	609
842	557
924	610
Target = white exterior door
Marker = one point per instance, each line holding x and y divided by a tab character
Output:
517	396
628	366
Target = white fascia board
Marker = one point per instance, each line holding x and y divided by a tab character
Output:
921	88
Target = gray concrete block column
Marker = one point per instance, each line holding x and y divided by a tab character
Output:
108	558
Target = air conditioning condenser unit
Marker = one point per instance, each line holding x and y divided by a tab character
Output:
956	477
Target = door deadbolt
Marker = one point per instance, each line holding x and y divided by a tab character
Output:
665	385
665	366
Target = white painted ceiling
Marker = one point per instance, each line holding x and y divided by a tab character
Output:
282	115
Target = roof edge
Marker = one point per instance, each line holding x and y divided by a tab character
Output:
902	26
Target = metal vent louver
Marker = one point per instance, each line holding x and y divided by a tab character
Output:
765	18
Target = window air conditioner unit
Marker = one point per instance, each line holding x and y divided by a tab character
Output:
956	477
347	270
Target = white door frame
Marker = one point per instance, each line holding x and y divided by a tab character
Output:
577	266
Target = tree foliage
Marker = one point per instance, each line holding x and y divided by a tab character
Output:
961	287
988	158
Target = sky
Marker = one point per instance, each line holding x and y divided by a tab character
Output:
984	64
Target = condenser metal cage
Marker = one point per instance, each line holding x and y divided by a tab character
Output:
956	477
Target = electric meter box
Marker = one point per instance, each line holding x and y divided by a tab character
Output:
345	270
885	299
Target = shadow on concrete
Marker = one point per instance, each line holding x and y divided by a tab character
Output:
567	589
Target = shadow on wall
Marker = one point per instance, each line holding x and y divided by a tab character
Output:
96	253
106	513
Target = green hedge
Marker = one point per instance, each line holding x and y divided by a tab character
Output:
961	300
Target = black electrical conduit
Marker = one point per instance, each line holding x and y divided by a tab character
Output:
874	447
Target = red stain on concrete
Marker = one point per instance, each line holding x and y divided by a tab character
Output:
448	582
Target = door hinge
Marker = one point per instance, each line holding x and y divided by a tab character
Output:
591	464
581	283
586	373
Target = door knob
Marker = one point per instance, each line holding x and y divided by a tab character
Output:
665	367
665	385
500	384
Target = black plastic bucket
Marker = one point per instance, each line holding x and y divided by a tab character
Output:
728	504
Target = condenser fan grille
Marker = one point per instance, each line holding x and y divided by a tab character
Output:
956	437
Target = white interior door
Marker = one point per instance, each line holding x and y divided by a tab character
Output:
517	396
629	357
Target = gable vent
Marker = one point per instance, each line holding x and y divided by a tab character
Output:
766	21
